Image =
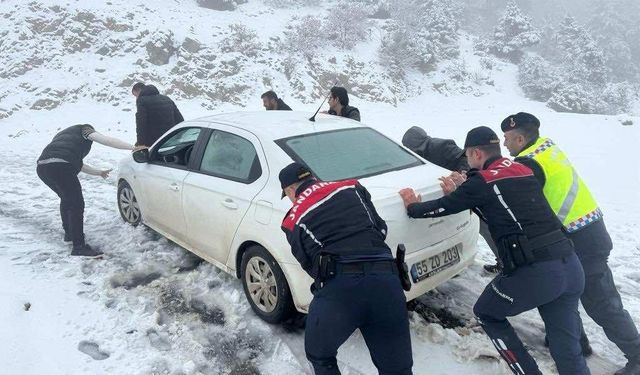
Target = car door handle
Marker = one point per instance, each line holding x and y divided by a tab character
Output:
174	187
229	203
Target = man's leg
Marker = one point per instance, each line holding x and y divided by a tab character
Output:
493	306
329	324
386	328
563	325
72	202
47	173
603	304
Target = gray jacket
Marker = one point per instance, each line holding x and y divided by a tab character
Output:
441	152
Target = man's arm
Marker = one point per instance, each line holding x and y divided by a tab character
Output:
297	248
472	193
380	224
142	118
538	172
109	141
104	173
178	115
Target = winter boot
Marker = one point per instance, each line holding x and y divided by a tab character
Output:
492	268
67	237
86	251
632	368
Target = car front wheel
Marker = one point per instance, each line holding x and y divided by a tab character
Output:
128	204
265	286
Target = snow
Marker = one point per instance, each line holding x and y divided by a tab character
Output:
150	307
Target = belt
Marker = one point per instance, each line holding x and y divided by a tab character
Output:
383	266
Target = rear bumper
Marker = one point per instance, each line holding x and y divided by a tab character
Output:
300	282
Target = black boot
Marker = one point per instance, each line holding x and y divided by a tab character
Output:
492	268
632	368
586	347
67	237
85	250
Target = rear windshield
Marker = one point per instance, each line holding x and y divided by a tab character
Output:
347	153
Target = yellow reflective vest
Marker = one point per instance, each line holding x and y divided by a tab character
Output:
565	191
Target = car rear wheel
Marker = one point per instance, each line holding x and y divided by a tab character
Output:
265	286
128	204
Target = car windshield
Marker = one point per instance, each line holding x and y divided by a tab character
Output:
348	153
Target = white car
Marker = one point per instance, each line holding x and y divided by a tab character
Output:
211	185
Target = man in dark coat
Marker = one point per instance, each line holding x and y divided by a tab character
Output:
155	115
339	104
271	102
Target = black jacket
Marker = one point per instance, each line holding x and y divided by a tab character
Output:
70	145
334	218
155	116
444	153
282	106
347	111
505	193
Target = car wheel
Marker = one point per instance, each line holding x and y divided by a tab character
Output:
128	204
265	286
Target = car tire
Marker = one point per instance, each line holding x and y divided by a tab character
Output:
128	204
265	286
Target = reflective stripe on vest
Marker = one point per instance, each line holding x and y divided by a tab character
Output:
565	191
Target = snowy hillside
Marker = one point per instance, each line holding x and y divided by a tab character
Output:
152	308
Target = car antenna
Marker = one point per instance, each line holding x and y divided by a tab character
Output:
313	118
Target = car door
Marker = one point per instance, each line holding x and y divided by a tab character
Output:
231	171
161	181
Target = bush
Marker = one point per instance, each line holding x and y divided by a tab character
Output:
241	39
304	36
346	25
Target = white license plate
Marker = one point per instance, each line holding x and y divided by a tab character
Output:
435	264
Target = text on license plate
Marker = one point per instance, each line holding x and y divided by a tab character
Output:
435	264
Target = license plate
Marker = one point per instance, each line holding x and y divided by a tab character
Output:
435	264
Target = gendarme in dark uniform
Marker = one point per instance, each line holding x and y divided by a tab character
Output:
338	238
541	269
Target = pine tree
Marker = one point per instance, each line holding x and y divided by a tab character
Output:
582	59
513	34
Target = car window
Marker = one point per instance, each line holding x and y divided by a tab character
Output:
230	156
348	153
177	149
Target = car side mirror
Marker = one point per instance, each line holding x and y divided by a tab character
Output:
141	156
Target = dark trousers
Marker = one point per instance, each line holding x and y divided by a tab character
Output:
554	287
373	303
63	180
601	299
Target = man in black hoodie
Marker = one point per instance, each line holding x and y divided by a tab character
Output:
155	114
271	102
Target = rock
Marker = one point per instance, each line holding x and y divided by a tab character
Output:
160	48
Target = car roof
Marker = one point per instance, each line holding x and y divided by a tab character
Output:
280	124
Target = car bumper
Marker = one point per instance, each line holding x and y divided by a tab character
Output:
468	238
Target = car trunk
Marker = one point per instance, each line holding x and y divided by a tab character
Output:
415	234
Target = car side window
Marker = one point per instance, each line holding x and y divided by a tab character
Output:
232	157
176	150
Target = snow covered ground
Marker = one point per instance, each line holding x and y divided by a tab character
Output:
151	308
